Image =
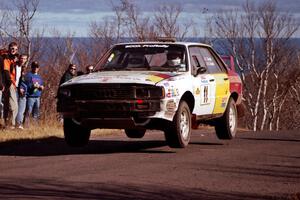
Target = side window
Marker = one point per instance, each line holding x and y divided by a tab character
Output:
210	61
196	58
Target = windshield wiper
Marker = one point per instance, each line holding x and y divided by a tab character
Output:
113	68
165	68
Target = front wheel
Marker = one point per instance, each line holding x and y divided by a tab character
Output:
75	134
226	125
135	133
179	133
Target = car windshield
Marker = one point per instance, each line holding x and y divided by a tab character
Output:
151	57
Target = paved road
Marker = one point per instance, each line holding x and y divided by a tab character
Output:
253	166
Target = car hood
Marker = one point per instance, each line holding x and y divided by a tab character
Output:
141	77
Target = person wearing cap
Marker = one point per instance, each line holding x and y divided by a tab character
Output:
35	86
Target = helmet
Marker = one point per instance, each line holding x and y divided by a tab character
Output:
174	58
89	69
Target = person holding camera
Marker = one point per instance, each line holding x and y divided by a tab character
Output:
35	86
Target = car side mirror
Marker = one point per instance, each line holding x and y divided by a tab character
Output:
201	70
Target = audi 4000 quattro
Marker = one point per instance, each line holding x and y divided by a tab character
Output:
168	86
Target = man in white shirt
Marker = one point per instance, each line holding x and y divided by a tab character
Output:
20	65
20	72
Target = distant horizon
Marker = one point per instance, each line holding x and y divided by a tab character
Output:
75	16
82	37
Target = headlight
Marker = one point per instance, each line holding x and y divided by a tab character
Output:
65	92
142	93
158	92
163	92
150	92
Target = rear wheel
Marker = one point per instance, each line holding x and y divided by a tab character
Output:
75	134
179	133
226	125
135	133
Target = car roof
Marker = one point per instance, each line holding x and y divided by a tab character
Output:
166	43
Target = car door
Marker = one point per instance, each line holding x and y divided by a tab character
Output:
216	68
204	84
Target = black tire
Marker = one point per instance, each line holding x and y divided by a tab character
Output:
135	133
227	124
75	135
178	133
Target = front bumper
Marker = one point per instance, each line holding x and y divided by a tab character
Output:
101	104
108	108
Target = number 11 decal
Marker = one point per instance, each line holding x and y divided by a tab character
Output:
205	94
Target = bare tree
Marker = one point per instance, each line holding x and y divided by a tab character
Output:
3	23
290	114
137	25
107	32
259	38
61	51
130	22
166	20
17	24
103	34
119	18
26	12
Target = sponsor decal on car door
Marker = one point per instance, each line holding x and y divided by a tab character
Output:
220	78
204	90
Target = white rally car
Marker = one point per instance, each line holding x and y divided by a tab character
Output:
169	86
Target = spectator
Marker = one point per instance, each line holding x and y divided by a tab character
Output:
22	88
2	55
79	73
89	69
69	74
35	86
10	92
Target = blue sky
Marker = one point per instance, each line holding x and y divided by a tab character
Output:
75	16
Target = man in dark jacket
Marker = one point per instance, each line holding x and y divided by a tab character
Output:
69	74
1	72
1	88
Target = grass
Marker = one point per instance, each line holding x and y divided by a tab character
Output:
37	132
44	130
53	128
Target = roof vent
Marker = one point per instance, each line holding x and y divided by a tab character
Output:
166	39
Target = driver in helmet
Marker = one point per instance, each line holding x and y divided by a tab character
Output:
174	58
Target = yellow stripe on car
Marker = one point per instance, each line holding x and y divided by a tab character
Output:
222	92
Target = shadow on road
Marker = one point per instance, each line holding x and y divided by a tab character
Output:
53	189
205	143
272	136
271	139
56	146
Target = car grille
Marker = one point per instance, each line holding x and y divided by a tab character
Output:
101	93
111	91
111	100
114	109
